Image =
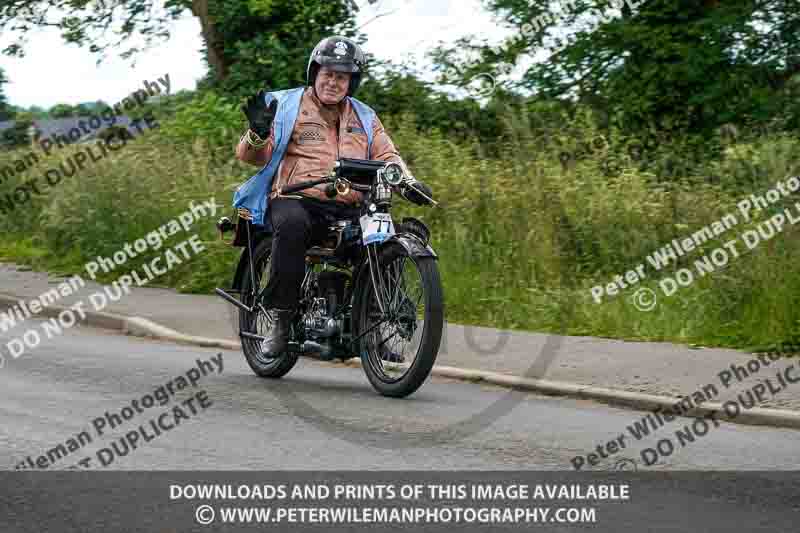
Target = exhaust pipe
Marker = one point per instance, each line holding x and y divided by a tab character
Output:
312	349
292	347
230	299
317	350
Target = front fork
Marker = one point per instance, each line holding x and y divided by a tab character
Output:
375	274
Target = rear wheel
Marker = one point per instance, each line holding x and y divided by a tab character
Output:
261	320
402	319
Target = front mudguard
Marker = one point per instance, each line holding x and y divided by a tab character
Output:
415	247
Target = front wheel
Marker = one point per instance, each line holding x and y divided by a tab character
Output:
401	316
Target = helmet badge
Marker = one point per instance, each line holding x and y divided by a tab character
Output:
341	48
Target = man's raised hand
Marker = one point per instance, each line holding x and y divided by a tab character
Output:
258	114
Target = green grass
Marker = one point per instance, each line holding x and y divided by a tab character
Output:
521	239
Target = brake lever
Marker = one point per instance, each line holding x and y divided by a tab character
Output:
410	184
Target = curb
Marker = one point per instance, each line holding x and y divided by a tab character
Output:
128	325
142	327
757	416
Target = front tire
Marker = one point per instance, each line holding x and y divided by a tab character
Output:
401	318
259	322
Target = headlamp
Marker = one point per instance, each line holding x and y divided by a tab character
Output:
393	174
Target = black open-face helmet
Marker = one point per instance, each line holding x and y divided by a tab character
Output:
340	54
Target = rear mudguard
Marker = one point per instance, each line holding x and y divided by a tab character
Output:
244	260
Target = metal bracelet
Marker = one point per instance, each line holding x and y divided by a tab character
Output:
258	143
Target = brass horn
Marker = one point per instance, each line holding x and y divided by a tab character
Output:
342	186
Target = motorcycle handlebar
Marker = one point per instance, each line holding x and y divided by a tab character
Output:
305	185
357	167
328	179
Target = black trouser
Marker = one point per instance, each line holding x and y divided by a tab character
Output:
296	224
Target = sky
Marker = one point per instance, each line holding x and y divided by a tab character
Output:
53	72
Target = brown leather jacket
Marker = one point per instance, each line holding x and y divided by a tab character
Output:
321	135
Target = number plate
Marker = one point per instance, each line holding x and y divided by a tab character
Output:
376	227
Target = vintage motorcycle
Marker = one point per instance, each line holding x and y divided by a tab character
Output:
371	288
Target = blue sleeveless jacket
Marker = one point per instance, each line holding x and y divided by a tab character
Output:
254	193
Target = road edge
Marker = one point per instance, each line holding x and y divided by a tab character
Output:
756	416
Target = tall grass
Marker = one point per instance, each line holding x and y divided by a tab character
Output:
521	238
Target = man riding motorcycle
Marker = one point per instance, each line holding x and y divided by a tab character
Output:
328	127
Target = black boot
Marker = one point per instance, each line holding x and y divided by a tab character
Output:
278	339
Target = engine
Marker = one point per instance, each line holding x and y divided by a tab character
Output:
319	322
322	325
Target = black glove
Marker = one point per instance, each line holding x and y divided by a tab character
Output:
259	115
413	196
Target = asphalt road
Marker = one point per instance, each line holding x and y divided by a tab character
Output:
327	417
323	416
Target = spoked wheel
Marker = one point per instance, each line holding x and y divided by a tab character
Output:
261	320
401	322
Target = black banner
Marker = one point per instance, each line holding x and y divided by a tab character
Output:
167	501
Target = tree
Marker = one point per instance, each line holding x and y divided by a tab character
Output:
19	134
243	40
268	42
679	65
5	110
62	111
37	112
398	90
